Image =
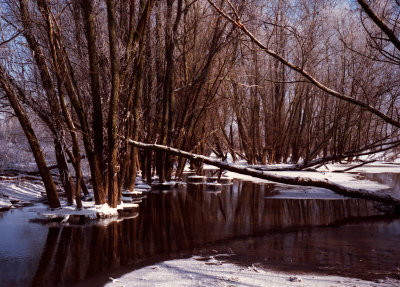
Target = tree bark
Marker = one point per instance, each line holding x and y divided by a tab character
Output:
112	116
96	163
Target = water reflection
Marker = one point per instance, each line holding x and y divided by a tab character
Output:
367	250
21	246
259	229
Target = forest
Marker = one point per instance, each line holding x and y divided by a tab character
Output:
296	82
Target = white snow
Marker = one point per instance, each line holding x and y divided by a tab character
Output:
349	180
89	210
23	192
5	203
18	191
141	190
135	192
192	272
142	186
244	177
375	167
353	180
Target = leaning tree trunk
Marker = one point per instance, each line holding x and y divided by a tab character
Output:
49	184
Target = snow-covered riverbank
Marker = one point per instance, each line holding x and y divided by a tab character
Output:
17	193
197	272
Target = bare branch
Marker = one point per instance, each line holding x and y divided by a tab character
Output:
12	38
304	73
380	23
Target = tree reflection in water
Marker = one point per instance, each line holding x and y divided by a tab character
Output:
242	217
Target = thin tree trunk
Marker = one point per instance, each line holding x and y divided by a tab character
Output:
65	176
112	116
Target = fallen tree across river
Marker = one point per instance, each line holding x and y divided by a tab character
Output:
378	196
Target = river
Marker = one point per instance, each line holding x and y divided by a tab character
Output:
261	224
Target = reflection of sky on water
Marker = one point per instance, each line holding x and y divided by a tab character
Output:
21	245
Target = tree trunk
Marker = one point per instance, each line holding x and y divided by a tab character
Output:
49	184
96	159
112	116
65	175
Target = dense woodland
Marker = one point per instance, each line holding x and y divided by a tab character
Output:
280	81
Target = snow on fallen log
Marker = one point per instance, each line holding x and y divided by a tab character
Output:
363	192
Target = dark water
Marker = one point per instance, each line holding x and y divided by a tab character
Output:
349	237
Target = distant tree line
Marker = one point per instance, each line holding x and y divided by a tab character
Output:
265	81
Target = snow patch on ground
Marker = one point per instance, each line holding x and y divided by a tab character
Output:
192	272
19	192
